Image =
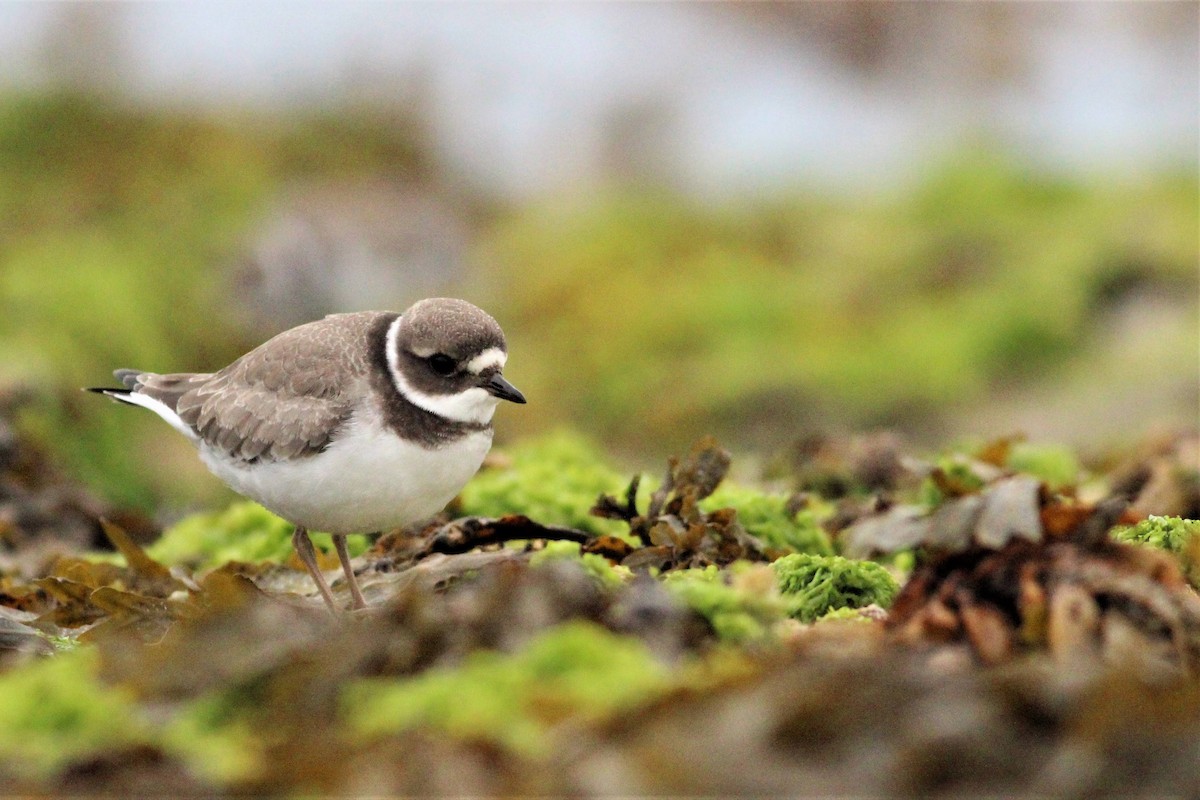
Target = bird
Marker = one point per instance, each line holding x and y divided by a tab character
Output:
356	423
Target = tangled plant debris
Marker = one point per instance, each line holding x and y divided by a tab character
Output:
697	636
674	532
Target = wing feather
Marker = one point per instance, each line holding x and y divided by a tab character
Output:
288	398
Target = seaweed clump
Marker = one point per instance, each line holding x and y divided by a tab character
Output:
675	532
1046	576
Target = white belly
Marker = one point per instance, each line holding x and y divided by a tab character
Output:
368	480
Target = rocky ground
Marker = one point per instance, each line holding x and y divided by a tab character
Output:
998	621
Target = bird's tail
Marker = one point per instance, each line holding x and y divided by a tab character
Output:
129	377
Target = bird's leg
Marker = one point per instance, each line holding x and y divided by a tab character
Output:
304	549
339	542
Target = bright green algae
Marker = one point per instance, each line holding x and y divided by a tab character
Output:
577	670
737	603
1166	533
597	566
56	710
814	585
765	515
244	531
554	479
1176	535
1054	464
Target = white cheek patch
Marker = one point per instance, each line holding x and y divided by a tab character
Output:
472	405
492	357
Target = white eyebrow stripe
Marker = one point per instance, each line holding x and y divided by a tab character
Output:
492	357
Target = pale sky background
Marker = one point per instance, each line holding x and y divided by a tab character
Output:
527	98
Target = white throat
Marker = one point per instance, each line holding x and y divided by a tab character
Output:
474	405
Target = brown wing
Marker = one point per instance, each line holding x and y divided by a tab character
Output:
287	398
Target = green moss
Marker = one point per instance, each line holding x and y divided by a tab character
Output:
765	515
212	735
901	562
845	614
554	479
814	585
56	710
599	567
244	531
738	603
577	671
956	471
1173	534
1055	465
1166	533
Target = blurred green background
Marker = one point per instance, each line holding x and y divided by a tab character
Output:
980	285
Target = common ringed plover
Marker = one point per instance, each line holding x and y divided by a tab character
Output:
355	423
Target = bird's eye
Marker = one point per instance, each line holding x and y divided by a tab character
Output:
442	364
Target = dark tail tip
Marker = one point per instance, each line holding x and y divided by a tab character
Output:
128	377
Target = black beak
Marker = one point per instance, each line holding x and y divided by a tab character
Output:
503	389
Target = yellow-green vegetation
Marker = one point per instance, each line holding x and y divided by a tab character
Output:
56	710
1173	534
577	671
244	531
741	602
213	736
599	567
957	472
765	515
682	315
846	614
813	585
554	479
960	472
1054	464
